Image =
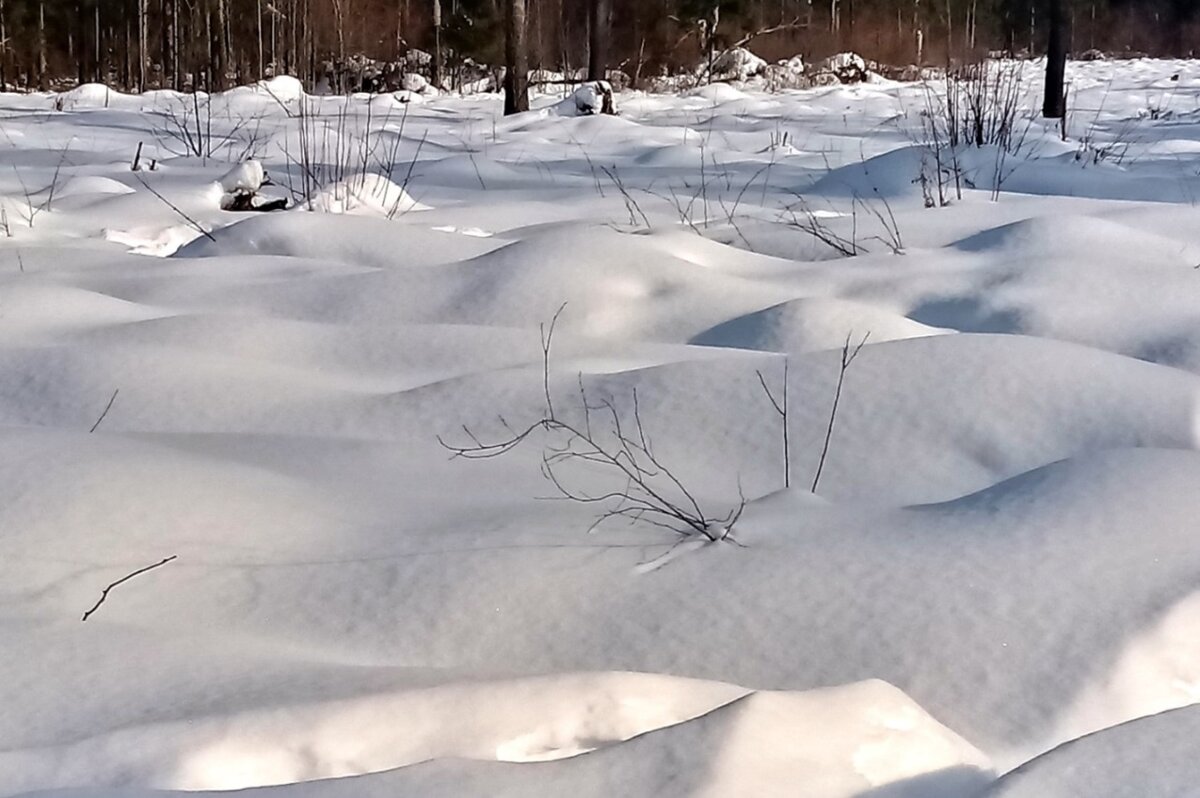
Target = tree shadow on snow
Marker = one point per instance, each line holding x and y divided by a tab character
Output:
960	781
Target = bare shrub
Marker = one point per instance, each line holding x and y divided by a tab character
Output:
979	105
342	150
615	442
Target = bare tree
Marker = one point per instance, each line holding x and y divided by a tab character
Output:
43	73
436	65
142	50
1054	106
516	59
599	28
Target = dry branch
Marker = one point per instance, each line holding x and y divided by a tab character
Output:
781	408
123	579
650	492
848	356
192	222
107	407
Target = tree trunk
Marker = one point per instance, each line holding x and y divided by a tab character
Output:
43	78
212	66
142	49
101	59
516	59
599	26
262	66
435	66
1054	104
3	49
222	46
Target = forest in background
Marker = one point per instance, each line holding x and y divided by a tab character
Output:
214	44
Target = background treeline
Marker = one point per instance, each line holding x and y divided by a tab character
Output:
217	43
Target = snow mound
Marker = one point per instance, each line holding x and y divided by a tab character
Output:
365	193
587	100
846	67
356	241
44	308
717	93
244	177
155	241
790	73
1152	757
892	174
521	720
610	279
87	95
736	64
283	88
841	742
1100	241
804	325
94	185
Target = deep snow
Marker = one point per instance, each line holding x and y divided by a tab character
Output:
1000	557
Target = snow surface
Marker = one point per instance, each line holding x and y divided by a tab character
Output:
1153	757
1000	556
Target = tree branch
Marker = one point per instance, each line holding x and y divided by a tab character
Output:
126	578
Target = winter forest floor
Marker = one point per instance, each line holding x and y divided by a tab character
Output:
1001	555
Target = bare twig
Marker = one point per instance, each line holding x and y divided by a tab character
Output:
631	205
781	407
650	491
107	407
126	578
848	356
194	224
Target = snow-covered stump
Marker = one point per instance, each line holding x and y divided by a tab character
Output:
240	188
591	98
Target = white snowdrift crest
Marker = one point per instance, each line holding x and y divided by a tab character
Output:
364	193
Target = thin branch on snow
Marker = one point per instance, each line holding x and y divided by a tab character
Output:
107	407
123	579
848	356
781	408
194	224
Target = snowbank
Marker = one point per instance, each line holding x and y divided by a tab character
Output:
364	193
999	520
650	736
736	64
1149	758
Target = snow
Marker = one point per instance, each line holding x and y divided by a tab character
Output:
736	64
588	99
832	743
998	561
1149	758
247	176
362	193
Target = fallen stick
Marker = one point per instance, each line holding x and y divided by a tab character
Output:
126	578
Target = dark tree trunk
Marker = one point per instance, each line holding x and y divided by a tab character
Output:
43	76
435	66
599	27
516	59
1055	104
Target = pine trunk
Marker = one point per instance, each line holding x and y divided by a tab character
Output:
1054	104
516	75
